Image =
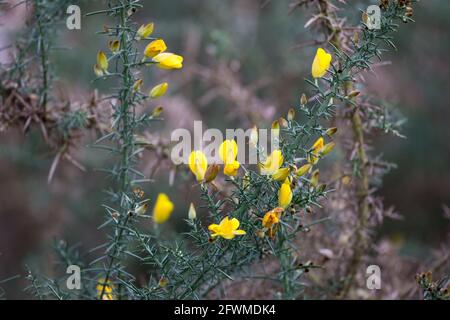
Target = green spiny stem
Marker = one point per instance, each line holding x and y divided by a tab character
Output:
126	132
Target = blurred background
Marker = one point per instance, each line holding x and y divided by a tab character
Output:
245	64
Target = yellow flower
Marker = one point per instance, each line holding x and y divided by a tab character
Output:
321	63
228	151
272	218
101	68
281	174
159	90
272	163
167	60
230	169
285	194
198	164
154	48
145	30
317	147
227	229
107	291
102	61
163	208
303	169
114	46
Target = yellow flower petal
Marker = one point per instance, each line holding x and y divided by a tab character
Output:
234	223
327	148
198	164
303	169
272	163
154	48
314	181
214	227
106	288
231	169
102	61
228	151
167	60
285	194
317	147
163	208
281	174
321	63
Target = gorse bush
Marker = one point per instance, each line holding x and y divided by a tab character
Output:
261	214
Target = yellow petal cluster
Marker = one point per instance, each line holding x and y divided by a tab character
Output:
163	208
101	67
198	164
272	164
228	152
285	194
272	218
321	63
316	149
227	229
106	288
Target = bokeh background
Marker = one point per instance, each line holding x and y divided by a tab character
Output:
245	63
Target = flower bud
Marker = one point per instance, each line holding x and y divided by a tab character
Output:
253	140
353	94
211	172
157	111
303	170
159	90
327	148
314	181
141	209
145	30
331	131
303	100
192	214
114	46
291	114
